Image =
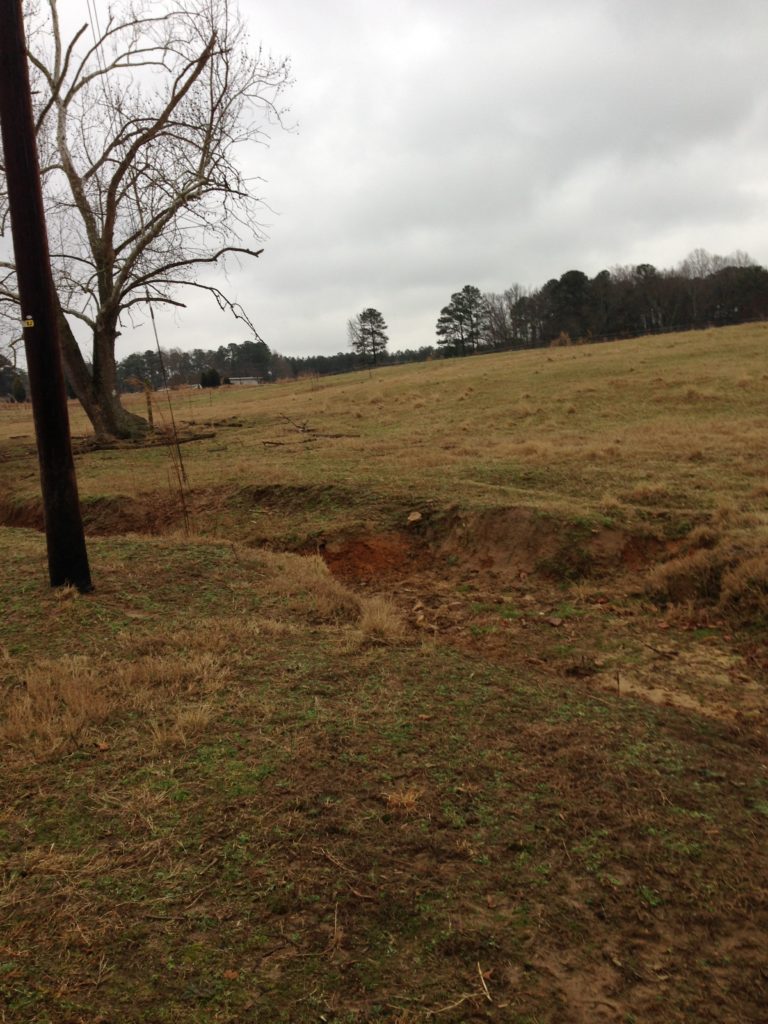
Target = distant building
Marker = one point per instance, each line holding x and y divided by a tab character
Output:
245	380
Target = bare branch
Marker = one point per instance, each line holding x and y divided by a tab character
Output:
224	302
139	132
161	272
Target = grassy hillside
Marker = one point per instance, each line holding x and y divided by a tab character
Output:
674	423
449	705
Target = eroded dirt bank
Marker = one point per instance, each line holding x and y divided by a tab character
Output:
570	599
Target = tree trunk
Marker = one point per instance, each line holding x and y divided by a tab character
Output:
97	395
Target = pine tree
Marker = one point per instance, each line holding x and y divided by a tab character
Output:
367	334
463	323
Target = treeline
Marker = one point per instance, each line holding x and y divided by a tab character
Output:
175	367
628	301
704	290
343	362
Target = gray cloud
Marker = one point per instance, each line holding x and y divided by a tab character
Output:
440	144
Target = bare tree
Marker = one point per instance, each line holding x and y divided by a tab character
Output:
698	268
140	128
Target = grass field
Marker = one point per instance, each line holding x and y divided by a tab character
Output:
439	695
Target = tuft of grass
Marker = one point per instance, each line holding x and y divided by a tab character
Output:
53	703
308	585
380	619
404	800
695	576
744	588
727	569
56	704
186	724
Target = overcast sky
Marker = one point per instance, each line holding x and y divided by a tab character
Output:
441	143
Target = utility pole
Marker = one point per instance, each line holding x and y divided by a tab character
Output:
67	555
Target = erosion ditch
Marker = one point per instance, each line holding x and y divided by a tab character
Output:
508	541
104	516
569	598
389	540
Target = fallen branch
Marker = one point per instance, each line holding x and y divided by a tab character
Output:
662	654
482	982
343	867
287	444
154	441
445	1009
314	436
303	428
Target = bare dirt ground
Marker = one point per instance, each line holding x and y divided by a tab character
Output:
382	746
480	587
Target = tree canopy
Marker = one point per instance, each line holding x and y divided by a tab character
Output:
140	133
463	322
626	301
368	334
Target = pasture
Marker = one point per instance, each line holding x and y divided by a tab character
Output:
438	693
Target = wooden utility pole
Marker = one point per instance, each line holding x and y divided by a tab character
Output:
67	555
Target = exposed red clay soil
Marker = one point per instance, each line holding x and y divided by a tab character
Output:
377	557
493	584
449	570
507	541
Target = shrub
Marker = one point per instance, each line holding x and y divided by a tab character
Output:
210	378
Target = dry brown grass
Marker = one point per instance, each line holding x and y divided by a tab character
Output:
380	619
692	577
705	439
185	724
405	800
259	795
648	494
167	679
726	566
58	704
53	704
745	588
309	587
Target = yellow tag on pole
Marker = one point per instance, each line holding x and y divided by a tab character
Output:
28	322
